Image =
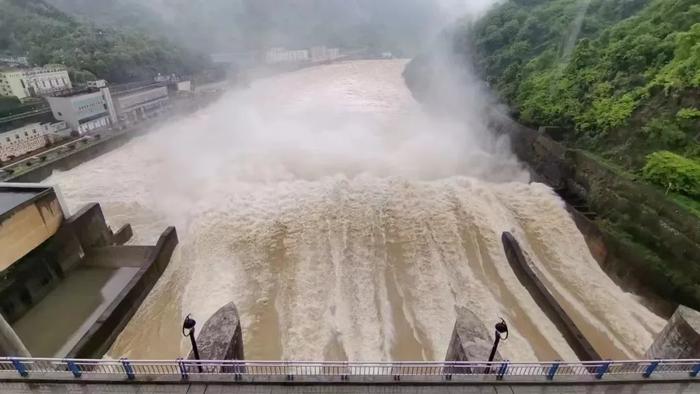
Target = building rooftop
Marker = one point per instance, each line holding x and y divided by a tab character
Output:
12	198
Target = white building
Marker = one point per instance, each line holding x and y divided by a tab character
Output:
28	138
37	81
12	83
139	104
85	111
281	55
323	54
46	80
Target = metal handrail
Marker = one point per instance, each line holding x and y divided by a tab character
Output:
179	370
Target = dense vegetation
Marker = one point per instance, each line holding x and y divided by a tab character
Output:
623	76
620	82
47	35
675	172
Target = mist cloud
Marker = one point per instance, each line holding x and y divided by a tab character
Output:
402	26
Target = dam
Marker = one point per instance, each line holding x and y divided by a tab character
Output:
348	224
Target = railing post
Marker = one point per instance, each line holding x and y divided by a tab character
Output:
502	370
346	372
183	369
238	370
21	369
127	368
552	371
695	371
290	376
602	369
650	369
73	368
448	370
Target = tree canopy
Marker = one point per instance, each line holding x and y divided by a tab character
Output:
47	35
623	76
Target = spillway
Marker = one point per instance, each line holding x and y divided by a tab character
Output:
348	224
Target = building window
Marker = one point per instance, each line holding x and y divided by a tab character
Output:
16	136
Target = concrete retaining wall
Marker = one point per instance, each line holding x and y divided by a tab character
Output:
529	276
637	233
109	140
90	227
77	157
37	273
103	333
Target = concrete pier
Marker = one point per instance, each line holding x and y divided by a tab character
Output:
680	338
529	276
221	337
471	339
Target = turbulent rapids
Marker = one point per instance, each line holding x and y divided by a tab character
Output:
347	224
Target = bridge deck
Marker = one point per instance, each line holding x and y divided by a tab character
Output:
197	388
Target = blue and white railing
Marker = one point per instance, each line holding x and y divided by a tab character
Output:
331	371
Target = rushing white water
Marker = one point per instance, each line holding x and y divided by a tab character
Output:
347	224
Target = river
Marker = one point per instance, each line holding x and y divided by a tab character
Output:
347	224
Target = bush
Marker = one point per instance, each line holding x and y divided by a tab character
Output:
673	172
688	113
664	131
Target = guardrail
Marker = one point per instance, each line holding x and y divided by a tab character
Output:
330	371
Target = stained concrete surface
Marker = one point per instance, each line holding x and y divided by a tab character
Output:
53	326
10	199
601	388
680	339
221	337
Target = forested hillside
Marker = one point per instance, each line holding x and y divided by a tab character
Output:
621	77
400	26
46	35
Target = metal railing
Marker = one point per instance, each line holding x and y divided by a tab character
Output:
331	371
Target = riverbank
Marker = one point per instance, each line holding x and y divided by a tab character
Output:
39	166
